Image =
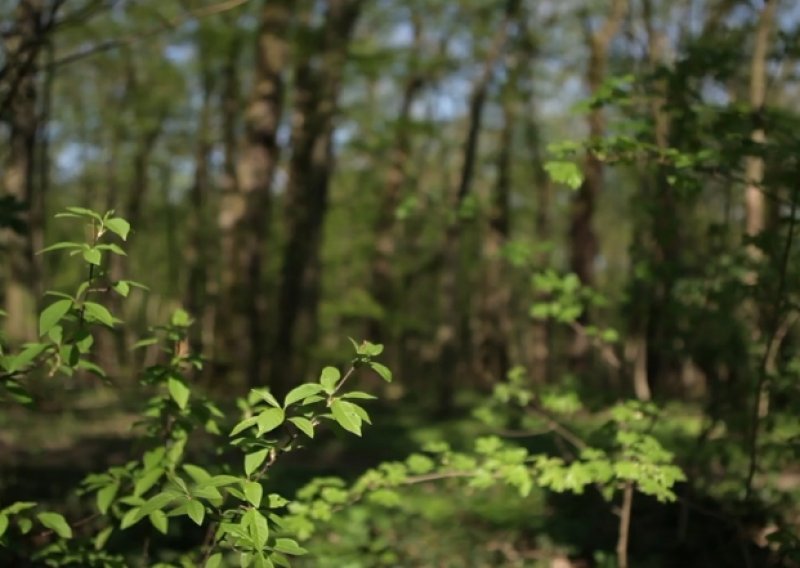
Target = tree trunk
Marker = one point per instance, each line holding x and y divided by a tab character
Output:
222	327
493	328
382	276
451	337
19	109
317	85
197	256
755	201
583	242
245	212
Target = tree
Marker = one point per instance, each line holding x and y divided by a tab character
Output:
318	76
246	207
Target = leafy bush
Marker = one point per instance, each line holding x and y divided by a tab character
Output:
244	522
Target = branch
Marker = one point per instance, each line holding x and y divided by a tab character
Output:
168	24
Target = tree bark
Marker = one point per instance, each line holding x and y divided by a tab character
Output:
493	328
318	80
582	236
583	242
22	48
382	275
755	201
246	208
451	334
197	256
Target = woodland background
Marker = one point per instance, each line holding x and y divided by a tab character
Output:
604	193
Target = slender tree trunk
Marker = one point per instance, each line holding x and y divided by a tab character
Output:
583	242
450	335
493	329
245	214
222	327
382	275
197	256
755	201
22	47
538	335
317	84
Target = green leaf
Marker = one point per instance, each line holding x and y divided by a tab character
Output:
178	391
329	377
197	473
156	503
56	334
180	318
382	370
289	546
214	561
52	314
276	501
61	246
222	481
357	410
302	392
253	492
130	518
359	395
196	511
55	522
102	537
93	256
159	520
261	561
269	419
105	496
3	524
253	460
24	357
370	349
267	396
145	342
18	507
122	288
113	248
25	525
304	425
345	417
257	527
564	172
244	425
91	367
118	226
83	212
147	480
99	313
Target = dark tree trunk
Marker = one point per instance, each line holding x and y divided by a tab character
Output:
493	328
382	275
197	256
246	209
583	242
18	108
317	84
452	335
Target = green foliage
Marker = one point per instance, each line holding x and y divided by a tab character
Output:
249	523
161	486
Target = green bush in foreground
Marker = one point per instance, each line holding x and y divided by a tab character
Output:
245	523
